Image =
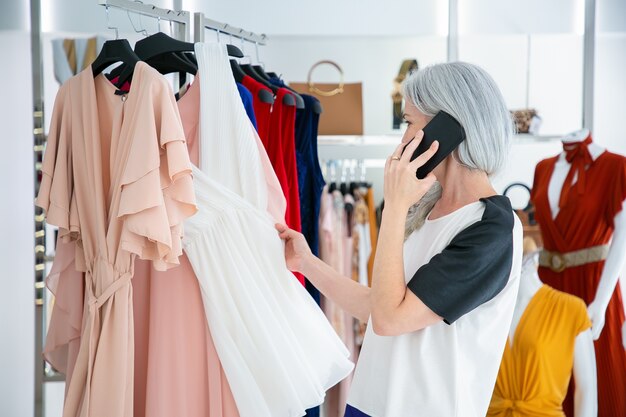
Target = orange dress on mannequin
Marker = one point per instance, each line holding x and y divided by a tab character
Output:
586	220
537	364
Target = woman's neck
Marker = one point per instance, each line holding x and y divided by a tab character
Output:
461	186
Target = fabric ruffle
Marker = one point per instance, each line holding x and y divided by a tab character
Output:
64	330
56	191
157	194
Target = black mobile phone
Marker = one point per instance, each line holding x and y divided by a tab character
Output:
445	129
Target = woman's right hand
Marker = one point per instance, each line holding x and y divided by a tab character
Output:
297	250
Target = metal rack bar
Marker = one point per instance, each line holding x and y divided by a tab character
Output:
39	239
180	16
202	22
589	59
453	30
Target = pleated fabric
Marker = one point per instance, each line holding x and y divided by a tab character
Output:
278	351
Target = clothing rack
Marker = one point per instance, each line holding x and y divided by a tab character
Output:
200	23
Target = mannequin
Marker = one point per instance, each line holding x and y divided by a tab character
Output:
617	252
586	396
579	198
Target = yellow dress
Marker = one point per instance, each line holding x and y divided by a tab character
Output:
536	369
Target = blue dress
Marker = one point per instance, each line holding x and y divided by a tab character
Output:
246	98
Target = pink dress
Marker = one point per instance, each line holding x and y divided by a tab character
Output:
336	250
117	181
177	370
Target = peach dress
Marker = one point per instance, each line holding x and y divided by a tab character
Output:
117	181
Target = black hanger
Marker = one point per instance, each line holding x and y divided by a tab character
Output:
191	57
237	71
332	187
247	68
158	44
172	62
234	51
259	69
264	95
288	99
167	54
272	74
299	100
343	188
317	107
353	186
113	51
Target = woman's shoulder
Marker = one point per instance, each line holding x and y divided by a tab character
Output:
498	216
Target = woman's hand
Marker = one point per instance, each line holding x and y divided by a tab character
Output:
297	249
402	189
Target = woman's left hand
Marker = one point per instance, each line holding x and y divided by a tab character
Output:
402	189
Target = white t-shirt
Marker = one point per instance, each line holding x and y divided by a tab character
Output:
465	266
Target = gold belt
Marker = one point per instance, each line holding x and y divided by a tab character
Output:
558	262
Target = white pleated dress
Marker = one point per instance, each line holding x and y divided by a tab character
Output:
278	351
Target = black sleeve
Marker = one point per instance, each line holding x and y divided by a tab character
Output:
473	268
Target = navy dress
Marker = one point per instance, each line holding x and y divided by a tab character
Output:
310	178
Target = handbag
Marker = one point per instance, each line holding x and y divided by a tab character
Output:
526	120
342	103
527	215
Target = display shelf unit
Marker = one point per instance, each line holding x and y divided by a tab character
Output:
368	147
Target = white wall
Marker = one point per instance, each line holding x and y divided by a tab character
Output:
17	227
330	17
610	91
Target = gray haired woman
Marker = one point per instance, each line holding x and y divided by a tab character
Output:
447	264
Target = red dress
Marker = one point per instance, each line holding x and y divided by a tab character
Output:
262	110
585	220
288	141
281	149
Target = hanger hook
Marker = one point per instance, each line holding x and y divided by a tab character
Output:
141	30
243	45
256	47
117	35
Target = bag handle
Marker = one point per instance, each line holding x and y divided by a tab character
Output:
316	90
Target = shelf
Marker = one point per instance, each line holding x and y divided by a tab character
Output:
381	146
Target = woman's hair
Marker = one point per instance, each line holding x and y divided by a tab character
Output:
471	96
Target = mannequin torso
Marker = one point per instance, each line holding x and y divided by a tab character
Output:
617	253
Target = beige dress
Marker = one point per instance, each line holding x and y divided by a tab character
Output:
117	180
